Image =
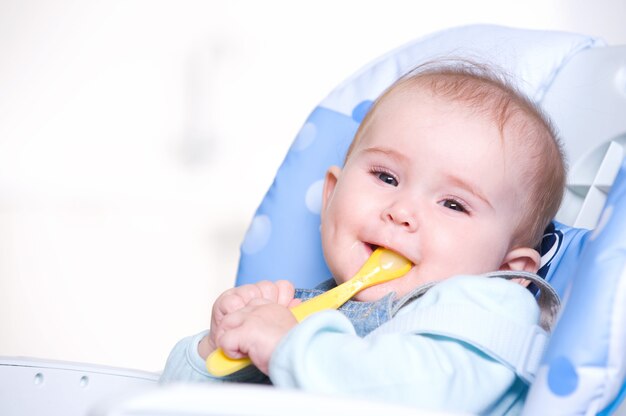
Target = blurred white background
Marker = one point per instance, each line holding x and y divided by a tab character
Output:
137	138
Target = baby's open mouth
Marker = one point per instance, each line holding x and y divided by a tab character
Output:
372	247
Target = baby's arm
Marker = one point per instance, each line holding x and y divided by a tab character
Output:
324	355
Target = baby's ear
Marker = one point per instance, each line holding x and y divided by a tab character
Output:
522	259
330	181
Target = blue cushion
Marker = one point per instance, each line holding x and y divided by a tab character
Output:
585	364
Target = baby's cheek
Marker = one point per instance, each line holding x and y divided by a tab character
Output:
482	258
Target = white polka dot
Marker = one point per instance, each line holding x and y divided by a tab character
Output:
305	137
604	219
313	198
257	235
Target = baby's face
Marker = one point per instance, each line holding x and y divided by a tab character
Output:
429	180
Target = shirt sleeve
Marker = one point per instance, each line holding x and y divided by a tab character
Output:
323	354
184	364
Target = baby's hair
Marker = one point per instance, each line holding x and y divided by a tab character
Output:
489	92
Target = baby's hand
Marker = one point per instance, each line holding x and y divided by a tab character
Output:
255	331
280	292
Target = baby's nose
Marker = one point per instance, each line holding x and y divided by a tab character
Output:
401	215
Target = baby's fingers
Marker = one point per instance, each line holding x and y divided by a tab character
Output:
235	328
231	343
235	299
268	290
236	318
280	292
286	291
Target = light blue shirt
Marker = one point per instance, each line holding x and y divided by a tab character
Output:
324	354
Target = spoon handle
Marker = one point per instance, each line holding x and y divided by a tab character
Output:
383	265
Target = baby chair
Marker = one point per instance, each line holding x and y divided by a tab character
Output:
581	84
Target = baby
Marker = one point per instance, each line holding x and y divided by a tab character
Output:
459	173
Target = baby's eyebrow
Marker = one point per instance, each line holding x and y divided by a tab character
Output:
385	151
457	181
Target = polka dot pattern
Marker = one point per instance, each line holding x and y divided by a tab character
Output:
360	111
313	198
562	377
288	220
258	235
305	137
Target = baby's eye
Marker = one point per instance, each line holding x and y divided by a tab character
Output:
454	205
386	177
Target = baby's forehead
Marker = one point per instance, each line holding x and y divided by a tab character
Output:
520	123
522	130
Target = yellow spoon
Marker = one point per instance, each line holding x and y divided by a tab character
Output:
382	266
